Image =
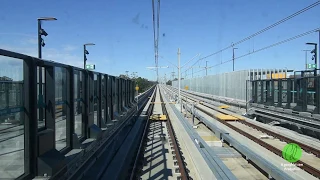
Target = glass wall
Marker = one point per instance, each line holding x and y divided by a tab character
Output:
78	103
60	98
11	118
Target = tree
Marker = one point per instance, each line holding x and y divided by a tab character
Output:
144	84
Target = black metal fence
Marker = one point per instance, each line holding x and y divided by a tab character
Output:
35	125
300	93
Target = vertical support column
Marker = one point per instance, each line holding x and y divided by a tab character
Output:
70	107
118	94
50	104
85	100
99	98
106	99
261	91
272	92
78	92
91	98
121	94
30	117
289	93
317	89
133	90
113	96
126	92
255	91
304	97
280	87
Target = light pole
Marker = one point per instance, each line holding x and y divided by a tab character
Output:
85	52
306	64
233	57
40	45
314	56
42	32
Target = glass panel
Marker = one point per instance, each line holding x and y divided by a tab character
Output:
78	103
11	118
311	92
60	98
95	99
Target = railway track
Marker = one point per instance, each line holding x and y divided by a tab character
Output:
158	139
305	166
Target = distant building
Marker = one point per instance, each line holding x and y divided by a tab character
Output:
5	78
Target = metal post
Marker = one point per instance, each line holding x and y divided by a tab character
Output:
84	57
179	79
39	40
40	99
233	59
315	59
206	68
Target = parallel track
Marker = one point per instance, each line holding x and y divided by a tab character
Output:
181	164
308	168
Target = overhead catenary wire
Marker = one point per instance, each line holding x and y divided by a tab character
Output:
266	47
156	33
263	30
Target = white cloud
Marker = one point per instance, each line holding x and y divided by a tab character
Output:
62	56
32	41
69	48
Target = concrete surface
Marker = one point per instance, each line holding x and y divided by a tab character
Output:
264	153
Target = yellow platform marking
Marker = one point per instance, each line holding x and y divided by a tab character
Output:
160	117
224	106
209	138
226	117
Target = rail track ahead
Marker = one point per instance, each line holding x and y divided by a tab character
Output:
156	136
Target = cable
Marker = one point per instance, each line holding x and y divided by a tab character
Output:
154	34
267	47
158	27
265	29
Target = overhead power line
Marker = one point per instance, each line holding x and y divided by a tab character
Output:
264	48
263	30
156	21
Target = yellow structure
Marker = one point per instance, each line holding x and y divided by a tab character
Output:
157	117
137	88
226	117
276	75
186	87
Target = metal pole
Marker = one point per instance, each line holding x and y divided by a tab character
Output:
306	59
40	72
233	59
206	68
39	39
179	79
84	57
316	59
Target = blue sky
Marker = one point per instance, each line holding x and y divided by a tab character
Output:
203	26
